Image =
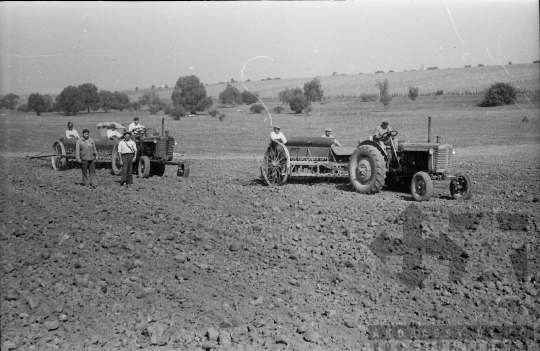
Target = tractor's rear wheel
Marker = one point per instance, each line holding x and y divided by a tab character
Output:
367	170
276	166
144	167
421	186
115	161
461	188
59	160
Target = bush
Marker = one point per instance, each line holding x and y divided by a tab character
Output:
249	98
221	116
368	97
439	92
278	109
298	100
384	90
167	109
214	113
413	93
23	108
177	112
499	94
257	108
136	106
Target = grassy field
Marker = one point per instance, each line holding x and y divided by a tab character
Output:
455	117
450	80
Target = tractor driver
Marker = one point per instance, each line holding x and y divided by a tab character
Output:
379	132
135	127
277	135
328	134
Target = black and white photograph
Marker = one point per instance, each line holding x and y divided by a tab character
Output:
270	175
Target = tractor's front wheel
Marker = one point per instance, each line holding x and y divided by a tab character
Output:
183	169
144	167
367	170
421	186
461	188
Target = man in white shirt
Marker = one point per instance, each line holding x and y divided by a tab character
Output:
379	131
328	134
71	133
128	153
112	133
135	127
277	135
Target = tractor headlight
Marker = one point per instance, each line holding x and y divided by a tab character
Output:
431	151
175	143
453	151
155	141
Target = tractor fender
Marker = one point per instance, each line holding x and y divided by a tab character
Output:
375	144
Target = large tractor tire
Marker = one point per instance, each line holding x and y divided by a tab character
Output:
116	167
421	186
461	188
144	167
367	170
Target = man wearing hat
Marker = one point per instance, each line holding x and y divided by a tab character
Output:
383	128
328	134
277	135
112	133
86	154
135	127
128	153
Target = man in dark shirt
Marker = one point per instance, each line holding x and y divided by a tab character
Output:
86	153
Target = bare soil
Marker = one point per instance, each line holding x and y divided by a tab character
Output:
221	261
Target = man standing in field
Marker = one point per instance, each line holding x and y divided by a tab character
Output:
277	135
86	154
383	128
328	134
128	153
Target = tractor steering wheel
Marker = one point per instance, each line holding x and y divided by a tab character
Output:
389	135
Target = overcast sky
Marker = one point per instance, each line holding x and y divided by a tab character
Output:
47	46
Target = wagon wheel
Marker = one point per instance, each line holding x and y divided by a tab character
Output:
58	160
115	161
276	166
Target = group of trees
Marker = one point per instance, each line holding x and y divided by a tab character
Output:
298	99
9	101
87	97
232	96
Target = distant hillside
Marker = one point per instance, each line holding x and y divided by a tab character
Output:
450	80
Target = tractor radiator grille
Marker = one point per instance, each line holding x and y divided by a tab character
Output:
165	148
442	159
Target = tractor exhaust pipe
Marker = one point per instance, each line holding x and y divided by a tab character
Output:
429	130
163	126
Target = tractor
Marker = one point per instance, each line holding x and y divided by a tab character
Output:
415	164
369	166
